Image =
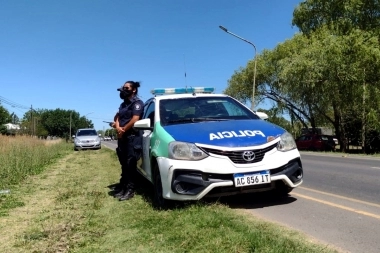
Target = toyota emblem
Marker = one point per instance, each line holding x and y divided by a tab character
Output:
248	156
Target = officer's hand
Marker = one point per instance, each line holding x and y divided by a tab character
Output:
120	132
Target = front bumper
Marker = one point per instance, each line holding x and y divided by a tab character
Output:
213	176
93	145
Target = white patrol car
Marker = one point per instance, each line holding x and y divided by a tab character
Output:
198	144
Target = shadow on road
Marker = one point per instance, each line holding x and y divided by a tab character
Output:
256	200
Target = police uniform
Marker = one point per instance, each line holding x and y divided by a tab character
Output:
129	145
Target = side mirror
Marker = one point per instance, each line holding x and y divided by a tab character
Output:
262	115
99	135
143	124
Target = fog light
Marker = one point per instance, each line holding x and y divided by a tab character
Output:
180	187
298	174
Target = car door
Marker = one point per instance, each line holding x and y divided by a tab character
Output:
149	112
301	142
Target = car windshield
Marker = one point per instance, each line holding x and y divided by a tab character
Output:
87	132
199	109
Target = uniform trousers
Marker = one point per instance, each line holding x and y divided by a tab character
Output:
128	152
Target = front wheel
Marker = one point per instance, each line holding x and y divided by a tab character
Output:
158	200
282	190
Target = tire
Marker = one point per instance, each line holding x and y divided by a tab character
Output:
158	200
282	190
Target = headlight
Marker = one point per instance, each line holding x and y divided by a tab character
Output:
76	141
185	151
286	142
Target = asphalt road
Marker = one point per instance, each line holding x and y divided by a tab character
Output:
338	204
110	144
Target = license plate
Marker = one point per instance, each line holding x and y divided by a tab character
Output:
252	178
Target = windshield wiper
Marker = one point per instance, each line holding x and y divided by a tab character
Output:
209	119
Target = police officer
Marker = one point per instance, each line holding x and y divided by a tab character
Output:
129	141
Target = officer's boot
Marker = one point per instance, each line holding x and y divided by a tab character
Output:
128	194
121	191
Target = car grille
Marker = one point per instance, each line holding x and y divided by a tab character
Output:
237	156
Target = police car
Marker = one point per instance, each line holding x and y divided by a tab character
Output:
199	144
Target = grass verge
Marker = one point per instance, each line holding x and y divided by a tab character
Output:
69	209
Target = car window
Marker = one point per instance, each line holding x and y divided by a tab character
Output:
87	132
324	138
302	138
149	112
174	111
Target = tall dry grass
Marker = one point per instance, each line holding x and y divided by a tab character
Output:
21	156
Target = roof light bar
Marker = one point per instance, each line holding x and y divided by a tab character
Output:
162	91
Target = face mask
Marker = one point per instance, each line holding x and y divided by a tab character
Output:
125	94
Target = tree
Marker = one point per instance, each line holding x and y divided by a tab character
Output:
339	16
354	25
328	74
4	119
55	122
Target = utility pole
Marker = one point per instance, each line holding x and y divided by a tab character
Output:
31	120
70	127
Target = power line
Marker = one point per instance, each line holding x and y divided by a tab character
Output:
13	104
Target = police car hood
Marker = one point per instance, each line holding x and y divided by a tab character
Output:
231	133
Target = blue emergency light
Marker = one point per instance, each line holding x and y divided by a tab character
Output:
163	91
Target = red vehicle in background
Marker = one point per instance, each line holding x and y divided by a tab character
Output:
316	142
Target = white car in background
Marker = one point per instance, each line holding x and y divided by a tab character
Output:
86	138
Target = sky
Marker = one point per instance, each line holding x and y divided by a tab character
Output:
73	55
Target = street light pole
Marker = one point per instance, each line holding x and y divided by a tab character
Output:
87	114
254	68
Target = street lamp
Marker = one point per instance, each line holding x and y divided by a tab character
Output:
87	114
254	70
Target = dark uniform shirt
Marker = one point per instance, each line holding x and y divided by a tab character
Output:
129	108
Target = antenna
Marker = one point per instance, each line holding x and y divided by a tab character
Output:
184	63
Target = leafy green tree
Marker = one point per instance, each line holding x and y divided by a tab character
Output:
355	24
325	76
339	16
57	122
5	118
